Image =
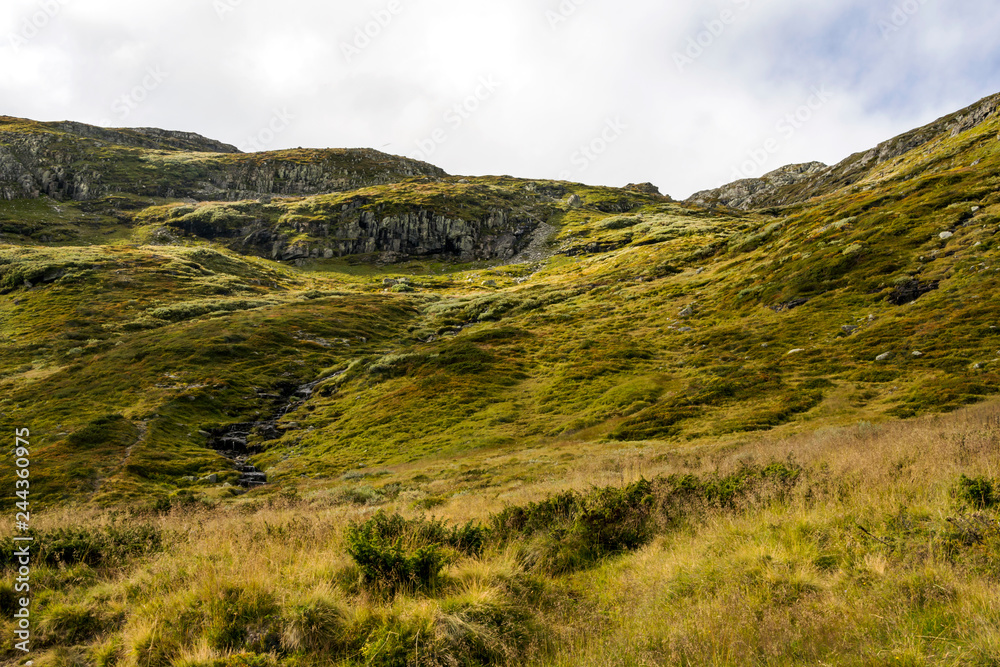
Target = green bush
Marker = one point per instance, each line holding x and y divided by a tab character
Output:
361	495
392	644
7	598
979	492
484	632
395	534
109	545
390	556
684	493
571	530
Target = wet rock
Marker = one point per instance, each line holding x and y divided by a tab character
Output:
910	291
789	305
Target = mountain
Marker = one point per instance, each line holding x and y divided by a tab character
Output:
588	313
639	418
799	183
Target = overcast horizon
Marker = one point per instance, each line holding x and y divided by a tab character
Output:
688	97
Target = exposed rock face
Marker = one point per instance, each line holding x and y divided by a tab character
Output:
75	161
911	291
145	137
751	193
419	233
644	188
305	172
798	183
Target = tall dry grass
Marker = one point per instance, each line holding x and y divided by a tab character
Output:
864	561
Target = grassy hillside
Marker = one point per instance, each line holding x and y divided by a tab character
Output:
710	435
863	545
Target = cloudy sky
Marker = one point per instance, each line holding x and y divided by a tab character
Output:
686	94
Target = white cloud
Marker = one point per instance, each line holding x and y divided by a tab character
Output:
687	129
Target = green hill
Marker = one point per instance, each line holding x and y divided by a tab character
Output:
367	330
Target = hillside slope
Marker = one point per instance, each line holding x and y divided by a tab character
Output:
359	412
594	315
798	183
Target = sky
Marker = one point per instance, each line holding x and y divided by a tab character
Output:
686	95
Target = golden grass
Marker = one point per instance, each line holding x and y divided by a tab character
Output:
855	566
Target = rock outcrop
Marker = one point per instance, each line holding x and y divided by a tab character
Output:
799	183
74	161
418	233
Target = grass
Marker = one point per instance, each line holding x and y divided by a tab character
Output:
866	550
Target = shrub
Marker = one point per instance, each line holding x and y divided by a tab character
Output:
684	493
392	643
486	631
361	495
7	598
979	492
393	552
104	546
570	530
390	556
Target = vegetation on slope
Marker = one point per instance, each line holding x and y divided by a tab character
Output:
656	421
872	545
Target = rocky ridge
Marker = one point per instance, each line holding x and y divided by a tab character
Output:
798	183
74	161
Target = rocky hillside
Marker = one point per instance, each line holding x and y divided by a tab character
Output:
402	315
72	161
338	408
798	183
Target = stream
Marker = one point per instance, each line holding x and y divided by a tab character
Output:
232	441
